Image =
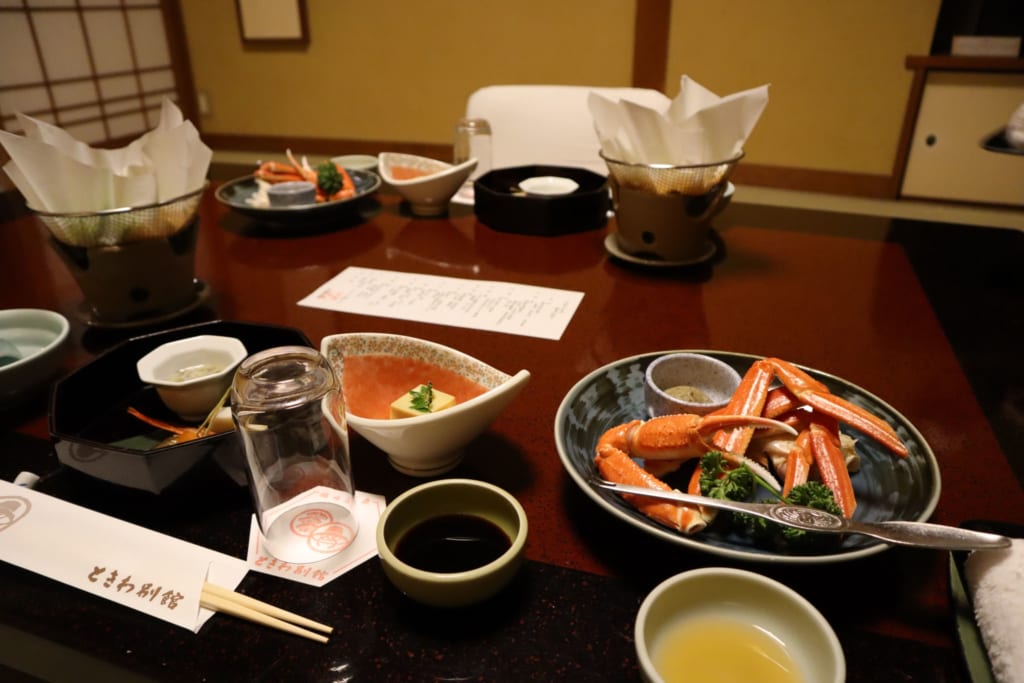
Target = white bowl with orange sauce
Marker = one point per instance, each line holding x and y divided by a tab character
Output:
376	369
427	184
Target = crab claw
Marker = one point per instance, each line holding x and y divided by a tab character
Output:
680	437
615	465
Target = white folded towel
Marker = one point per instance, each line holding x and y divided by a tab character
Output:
995	579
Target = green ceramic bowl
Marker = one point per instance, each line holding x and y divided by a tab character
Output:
442	499
792	631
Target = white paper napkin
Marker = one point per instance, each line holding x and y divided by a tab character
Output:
135	567
696	127
58	173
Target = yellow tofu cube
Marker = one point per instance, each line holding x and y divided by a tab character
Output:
403	406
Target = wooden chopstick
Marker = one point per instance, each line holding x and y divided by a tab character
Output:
220	599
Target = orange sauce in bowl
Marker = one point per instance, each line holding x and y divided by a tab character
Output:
408	172
371	382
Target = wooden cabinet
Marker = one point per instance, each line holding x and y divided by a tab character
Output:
960	103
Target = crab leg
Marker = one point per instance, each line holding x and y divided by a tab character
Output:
306	173
670	439
679	437
614	465
812	392
798	464
748	399
276	172
824	446
159	424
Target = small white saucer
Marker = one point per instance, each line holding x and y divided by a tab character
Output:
611	245
465	195
548	185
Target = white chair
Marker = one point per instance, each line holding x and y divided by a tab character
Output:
547	124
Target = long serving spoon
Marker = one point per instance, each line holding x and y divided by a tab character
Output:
914	534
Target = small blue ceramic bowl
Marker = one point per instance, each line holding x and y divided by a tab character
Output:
293	193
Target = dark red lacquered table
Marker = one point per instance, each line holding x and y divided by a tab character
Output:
904	309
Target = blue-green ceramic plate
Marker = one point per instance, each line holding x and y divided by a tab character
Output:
236	193
887	487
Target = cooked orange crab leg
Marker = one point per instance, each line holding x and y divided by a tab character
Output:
615	465
813	393
679	437
798	464
819	445
753	394
276	172
824	447
307	173
673	438
181	434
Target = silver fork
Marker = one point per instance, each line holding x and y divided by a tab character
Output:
914	534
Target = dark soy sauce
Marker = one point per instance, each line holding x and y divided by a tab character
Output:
452	543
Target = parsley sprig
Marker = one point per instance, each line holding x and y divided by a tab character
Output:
422	397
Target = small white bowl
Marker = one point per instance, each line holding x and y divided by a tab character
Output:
746	599
430	193
431	444
38	337
357	162
716	380
191	375
443	498
548	185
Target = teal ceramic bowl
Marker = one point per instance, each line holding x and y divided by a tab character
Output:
34	352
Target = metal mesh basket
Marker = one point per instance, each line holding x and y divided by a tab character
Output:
665	179
122	226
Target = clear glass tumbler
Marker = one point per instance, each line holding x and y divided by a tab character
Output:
290	413
472	141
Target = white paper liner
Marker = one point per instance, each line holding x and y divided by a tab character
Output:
697	127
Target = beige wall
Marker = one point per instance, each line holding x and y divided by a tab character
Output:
398	70
838	83
401	70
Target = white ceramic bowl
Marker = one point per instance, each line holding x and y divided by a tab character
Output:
357	162
452	497
191	375
38	337
424	445
716	380
745	599
428	194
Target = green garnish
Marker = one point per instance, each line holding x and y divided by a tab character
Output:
328	179
422	397
718	480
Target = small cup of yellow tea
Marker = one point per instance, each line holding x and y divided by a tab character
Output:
724	625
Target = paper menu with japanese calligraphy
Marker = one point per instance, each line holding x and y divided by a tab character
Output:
135	567
491	305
